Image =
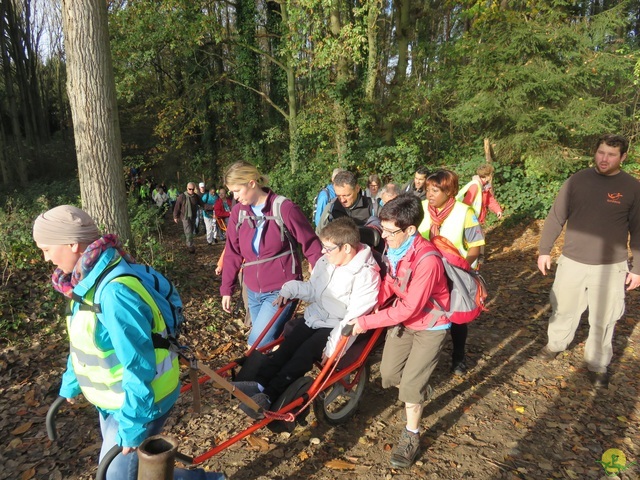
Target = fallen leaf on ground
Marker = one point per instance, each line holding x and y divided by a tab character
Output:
30	398
220	350
258	443
16	442
22	428
27	474
340	465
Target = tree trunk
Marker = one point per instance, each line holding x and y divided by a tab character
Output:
372	40
403	25
341	84
292	98
92	97
16	131
41	122
24	59
4	167
403	30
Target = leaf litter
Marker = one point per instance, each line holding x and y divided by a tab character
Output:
512	416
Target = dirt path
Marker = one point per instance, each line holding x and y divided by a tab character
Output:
510	417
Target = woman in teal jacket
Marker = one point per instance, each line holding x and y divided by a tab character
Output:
112	360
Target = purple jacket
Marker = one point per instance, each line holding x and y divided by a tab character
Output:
271	275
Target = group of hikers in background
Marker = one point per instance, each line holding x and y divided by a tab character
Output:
406	289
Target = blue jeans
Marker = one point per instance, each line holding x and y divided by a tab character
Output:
262	311
125	467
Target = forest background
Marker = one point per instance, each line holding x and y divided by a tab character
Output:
299	87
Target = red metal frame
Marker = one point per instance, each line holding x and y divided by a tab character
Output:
327	377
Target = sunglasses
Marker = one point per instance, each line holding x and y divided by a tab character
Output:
190	189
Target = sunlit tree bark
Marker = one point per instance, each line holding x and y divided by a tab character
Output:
91	90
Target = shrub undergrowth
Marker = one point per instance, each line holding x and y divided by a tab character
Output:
28	304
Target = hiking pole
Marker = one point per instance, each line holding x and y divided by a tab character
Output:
113	452
51	418
52	433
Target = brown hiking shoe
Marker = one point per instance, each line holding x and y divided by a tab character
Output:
547	355
406	449
599	379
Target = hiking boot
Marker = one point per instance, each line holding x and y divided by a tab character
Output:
262	400
459	368
248	388
599	379
192	249
406	449
546	355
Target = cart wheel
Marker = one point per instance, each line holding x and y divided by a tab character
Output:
295	390
338	403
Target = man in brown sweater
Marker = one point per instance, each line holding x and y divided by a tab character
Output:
601	209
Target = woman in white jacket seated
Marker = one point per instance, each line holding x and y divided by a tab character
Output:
344	285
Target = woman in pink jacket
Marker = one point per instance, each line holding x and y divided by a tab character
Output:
415	280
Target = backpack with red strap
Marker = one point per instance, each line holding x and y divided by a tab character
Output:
467	287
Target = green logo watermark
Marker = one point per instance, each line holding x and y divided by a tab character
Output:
614	461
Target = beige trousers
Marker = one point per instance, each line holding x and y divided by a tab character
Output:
579	286
408	359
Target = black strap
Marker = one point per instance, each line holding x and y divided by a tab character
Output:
160	342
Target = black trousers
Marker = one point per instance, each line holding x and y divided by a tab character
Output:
459	339
301	347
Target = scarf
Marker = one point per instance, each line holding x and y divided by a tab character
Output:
438	217
64	282
395	254
188	208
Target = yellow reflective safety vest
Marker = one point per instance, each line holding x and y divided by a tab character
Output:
99	372
476	204
452	228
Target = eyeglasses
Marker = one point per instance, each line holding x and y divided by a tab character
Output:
391	233
329	249
189	189
374	185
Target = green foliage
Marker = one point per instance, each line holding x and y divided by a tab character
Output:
542	85
146	231
23	269
21	263
525	196
301	187
541	79
393	164
18	211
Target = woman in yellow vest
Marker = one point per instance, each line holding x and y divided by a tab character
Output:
457	222
112	359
